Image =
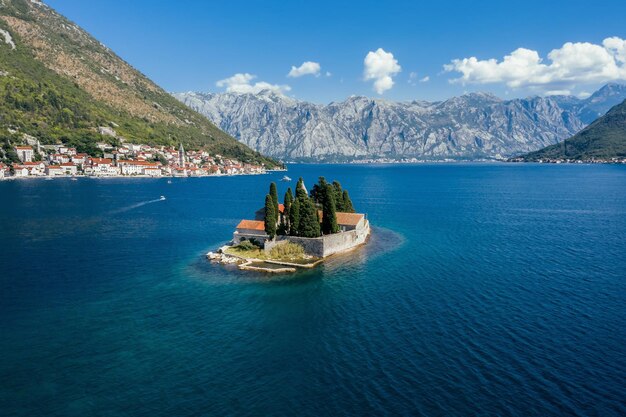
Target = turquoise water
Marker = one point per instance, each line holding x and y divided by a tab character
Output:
485	290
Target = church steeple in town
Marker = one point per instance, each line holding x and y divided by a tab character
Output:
181	155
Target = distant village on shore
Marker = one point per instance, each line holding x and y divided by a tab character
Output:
125	160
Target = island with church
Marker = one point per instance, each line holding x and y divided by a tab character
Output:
298	233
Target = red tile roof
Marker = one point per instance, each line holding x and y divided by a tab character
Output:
251	225
345	219
97	161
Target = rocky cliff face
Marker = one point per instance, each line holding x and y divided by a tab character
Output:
472	126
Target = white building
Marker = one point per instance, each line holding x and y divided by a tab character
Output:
25	153
35	168
20	171
54	170
102	167
153	171
69	168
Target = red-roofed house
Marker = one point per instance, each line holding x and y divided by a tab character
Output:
69	168
250	229
54	170
35	168
20	171
101	167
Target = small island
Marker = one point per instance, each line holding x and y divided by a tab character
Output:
299	233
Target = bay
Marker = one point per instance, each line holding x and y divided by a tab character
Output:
486	289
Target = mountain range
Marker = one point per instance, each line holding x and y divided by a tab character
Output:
473	126
59	84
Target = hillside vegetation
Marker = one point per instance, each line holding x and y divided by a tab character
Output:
604	139
60	84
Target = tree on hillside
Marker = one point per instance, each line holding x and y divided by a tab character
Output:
274	195
270	217
309	225
338	196
294	217
329	215
347	206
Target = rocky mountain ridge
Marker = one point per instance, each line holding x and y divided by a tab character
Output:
472	126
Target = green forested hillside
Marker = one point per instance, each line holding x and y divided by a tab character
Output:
59	84
604	139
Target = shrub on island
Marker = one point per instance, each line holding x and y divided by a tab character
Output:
287	251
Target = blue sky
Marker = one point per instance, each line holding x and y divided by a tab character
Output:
192	45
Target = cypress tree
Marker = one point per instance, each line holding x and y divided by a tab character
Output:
274	195
338	196
294	218
347	203
329	215
317	192
270	217
287	202
309	222
288	198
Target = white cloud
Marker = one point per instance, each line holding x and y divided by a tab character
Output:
414	79
307	68
558	93
381	66
617	47
241	83
572	64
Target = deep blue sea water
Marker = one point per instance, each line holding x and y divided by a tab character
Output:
491	290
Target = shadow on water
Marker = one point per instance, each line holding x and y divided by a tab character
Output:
381	242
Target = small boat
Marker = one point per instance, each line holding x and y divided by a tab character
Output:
169	181
286	179
48	178
74	179
162	198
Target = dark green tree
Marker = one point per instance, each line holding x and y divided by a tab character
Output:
329	215
274	195
309	225
347	203
287	202
270	217
338	196
317	192
294	218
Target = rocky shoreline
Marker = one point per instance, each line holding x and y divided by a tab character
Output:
220	256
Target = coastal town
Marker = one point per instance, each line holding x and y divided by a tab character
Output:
34	160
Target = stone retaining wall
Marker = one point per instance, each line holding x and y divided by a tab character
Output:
325	245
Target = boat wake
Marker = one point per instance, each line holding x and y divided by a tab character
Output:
136	205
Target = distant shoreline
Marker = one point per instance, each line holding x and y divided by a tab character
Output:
101	177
